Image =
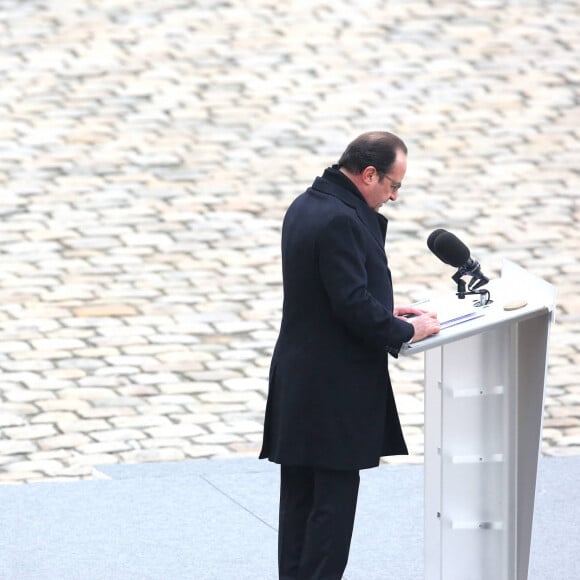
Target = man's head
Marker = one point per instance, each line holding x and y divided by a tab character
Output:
376	163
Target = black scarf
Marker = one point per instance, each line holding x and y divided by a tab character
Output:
336	176
339	178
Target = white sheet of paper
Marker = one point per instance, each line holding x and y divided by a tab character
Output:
452	310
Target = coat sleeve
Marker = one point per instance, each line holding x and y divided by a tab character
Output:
342	258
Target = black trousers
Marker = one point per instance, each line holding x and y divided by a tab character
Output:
317	509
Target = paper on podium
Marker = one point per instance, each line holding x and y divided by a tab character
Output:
451	310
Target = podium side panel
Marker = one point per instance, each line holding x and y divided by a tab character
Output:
533	335
476	457
432	434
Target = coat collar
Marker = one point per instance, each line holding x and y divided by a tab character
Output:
334	182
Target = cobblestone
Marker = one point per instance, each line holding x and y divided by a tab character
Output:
148	151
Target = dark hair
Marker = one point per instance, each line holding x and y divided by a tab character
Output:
376	148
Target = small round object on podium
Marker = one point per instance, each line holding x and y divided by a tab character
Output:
515	304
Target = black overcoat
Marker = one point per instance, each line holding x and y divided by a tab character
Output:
330	400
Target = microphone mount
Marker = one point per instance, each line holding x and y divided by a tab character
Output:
474	287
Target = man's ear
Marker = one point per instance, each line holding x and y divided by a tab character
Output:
368	174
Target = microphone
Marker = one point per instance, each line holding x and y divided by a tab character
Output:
433	236
451	250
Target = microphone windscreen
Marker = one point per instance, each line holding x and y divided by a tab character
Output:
433	236
450	249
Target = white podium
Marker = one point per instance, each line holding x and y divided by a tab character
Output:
484	400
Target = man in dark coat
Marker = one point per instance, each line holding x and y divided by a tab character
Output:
331	409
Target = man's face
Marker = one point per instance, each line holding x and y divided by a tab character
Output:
380	191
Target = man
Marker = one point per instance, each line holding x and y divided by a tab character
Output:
331	410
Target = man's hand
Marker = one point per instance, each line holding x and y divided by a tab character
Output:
407	311
425	323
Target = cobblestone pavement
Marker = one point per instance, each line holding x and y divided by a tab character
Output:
148	151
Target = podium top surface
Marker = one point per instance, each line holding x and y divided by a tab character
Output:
516	286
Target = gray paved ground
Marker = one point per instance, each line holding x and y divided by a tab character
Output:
148	151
